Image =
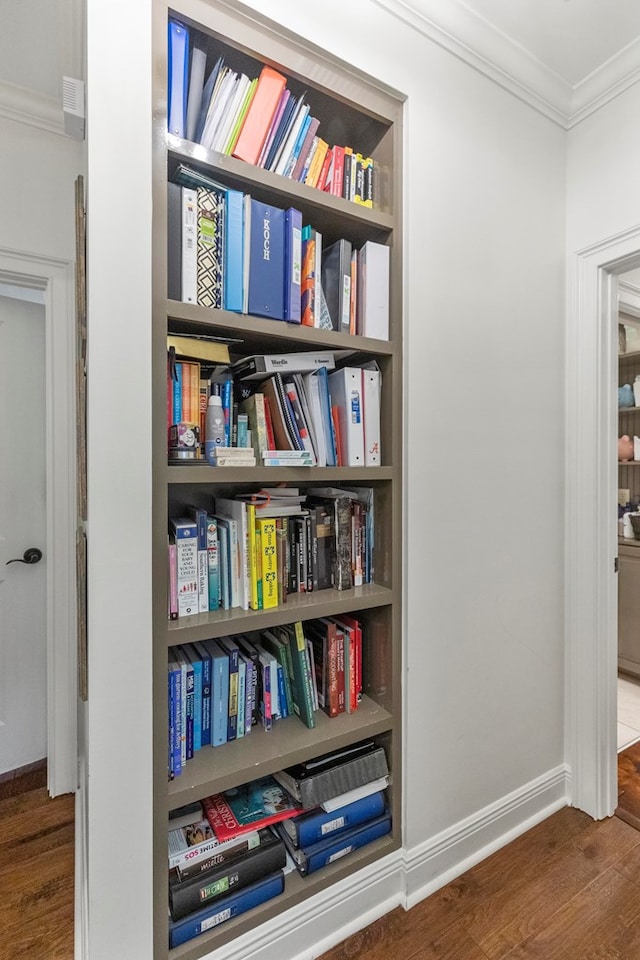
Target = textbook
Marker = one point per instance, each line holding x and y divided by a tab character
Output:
248	807
180	931
190	844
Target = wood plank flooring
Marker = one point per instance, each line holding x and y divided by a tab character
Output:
36	875
569	889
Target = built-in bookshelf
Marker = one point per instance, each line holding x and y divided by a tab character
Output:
356	110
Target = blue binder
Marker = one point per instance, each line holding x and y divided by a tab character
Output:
178	77
266	263
234	252
317	825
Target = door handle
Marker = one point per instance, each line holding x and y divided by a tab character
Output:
31	555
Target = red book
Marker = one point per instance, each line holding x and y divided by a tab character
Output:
259	115
269	423
249	807
324	169
335	186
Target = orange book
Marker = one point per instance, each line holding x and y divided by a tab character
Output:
316	163
259	115
186	392
324	170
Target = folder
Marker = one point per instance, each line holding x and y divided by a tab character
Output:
259	115
205	100
345	387
196	85
266	266
178	77
372	315
371	383
292	264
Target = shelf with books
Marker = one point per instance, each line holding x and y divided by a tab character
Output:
217	768
358	112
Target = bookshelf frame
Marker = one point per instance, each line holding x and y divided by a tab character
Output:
361	100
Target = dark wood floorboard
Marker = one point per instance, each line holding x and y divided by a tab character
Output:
629	785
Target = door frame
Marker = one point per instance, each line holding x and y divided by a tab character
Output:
591	540
55	278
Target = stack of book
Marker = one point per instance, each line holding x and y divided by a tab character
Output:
258	120
218	690
252	553
231	251
236	861
342	795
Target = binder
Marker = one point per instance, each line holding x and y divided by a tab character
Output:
174	241
205	100
234	252
259	115
336	283
293	264
266	263
189	245
345	387
317	825
211	211
372	315
178	77
327	851
194	98
371	385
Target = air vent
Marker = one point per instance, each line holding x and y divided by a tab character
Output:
73	107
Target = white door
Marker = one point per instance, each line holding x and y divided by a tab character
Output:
23	620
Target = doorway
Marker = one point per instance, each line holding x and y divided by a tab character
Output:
45	285
591	559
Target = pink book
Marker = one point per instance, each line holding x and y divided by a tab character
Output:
259	115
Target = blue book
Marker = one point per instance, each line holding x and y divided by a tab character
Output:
188	695
319	855
231	649
213	562
318	825
266	261
178	77
219	693
226	394
233	286
292	265
177	393
325	408
225	550
297	147
249	691
175	721
205	658
180	931
281	132
192	655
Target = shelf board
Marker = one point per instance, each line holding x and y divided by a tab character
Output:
202	472
320	603
623	410
296	889
266	335
321	208
633	355
629	463
289	741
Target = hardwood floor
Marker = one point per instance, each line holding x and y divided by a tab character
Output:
36	874
569	889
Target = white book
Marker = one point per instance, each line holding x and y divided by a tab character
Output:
236	510
189	245
372	315
371	384
345	387
203	581
186	536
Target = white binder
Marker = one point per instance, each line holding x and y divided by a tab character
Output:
371	382
345	387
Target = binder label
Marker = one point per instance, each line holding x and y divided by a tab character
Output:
215	920
332	825
355	407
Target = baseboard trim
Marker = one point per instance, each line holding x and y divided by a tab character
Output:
327	919
81	899
449	854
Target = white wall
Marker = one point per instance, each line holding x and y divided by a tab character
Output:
484	188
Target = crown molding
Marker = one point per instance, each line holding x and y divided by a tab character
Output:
482	46
28	106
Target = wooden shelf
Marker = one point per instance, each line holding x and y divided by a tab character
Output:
202	472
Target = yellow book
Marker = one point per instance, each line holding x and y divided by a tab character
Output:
267	529
316	163
192	348
253	559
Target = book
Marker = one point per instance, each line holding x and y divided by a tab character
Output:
283	164
309	132
222	853
205	100
259	115
322	778
269	565
192	347
178	63
236	510
307	279
371	396
292	264
253	406
186	538
302	681
205	658
316	825
231	649
219	692
189	651
372	314
175	721
248	807
273	126
345	388
213	562
187	896
190	841
324	852
336	283
185	815
259	366
233	293
181	931
266	261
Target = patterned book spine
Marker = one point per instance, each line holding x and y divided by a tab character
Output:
210	247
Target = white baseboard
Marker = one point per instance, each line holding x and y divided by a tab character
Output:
326	919
447	855
81	900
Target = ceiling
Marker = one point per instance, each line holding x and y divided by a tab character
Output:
573	38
